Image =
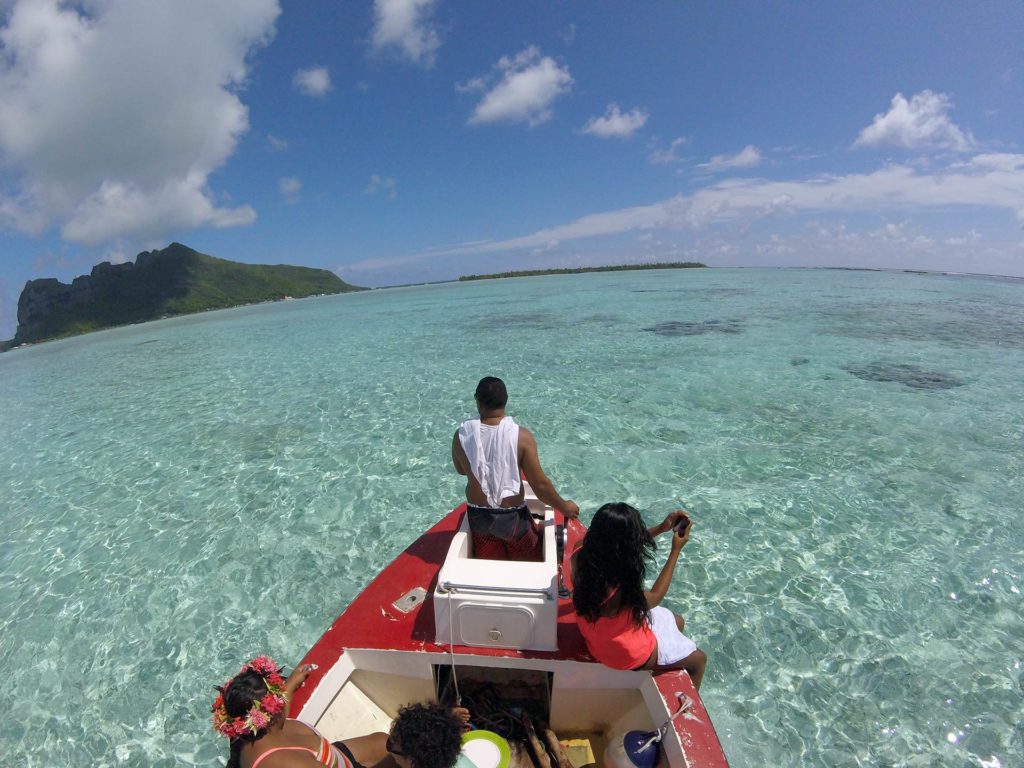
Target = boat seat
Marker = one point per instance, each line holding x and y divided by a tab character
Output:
499	603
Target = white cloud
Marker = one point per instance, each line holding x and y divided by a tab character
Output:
919	123
403	25
289	187
278	145
384	185
125	208
893	188
1001	161
116	254
8	308
667	156
526	86
315	81
748	157
550	245
474	85
972	236
615	124
895	232
73	79
375	265
838	245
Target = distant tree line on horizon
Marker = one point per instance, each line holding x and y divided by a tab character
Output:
579	270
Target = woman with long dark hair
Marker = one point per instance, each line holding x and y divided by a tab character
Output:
623	625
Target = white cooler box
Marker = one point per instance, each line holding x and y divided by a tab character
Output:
499	603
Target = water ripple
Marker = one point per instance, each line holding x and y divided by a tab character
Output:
182	494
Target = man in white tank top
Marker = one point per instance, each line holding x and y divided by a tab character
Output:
493	452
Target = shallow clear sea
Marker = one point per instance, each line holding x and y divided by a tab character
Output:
181	495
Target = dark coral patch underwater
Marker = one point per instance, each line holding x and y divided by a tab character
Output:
904	373
677	328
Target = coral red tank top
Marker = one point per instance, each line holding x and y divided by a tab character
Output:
616	641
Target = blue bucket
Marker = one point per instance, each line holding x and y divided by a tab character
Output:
633	741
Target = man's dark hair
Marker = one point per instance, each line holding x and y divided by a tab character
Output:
429	734
491	393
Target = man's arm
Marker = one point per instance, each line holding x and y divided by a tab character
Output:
529	462
459	456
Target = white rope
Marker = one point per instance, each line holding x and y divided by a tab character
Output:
685	702
451	649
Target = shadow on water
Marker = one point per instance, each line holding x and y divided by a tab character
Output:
541	321
678	328
605	320
904	373
712	291
955	323
701	291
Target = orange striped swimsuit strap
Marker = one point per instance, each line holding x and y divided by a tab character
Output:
325	753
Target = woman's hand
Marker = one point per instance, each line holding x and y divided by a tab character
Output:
672	520
298	677
661	584
681	531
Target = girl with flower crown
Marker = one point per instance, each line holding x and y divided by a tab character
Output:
252	711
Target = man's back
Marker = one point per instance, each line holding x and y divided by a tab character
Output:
491	398
490	455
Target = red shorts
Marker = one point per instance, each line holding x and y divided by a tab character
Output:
504	534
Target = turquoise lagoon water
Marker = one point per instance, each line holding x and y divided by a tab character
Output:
181	495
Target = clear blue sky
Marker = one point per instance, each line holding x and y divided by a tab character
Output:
410	140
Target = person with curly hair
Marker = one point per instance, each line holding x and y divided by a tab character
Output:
623	625
251	710
427	736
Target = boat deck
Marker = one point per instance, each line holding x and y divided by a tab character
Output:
385	640
418	566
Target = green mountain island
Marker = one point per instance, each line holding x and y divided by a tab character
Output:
174	281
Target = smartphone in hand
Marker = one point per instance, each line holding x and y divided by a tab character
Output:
682	525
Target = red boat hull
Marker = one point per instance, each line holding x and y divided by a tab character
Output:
372	622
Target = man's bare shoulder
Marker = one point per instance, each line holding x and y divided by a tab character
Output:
526	437
527	450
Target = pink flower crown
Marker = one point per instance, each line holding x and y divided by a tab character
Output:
262	710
